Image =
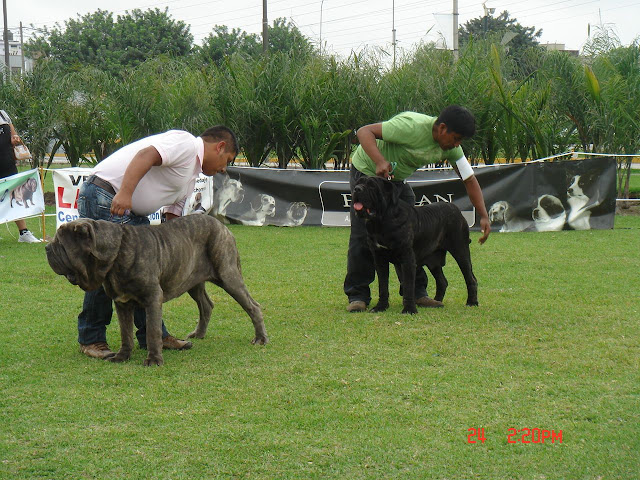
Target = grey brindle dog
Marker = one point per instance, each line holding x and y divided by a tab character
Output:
410	236
146	266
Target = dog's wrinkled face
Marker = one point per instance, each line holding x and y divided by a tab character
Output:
371	197
73	254
29	186
297	212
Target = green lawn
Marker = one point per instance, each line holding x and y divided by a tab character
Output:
634	182
554	345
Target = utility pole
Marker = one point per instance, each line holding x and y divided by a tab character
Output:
393	32
6	43
455	29
21	49
321	3
265	27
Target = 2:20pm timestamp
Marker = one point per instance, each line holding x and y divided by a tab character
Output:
522	435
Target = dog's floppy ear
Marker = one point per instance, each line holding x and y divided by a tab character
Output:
101	239
85	233
392	193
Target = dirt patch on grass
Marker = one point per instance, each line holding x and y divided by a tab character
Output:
49	198
632	209
629	208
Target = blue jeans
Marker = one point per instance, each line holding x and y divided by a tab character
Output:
361	271
97	308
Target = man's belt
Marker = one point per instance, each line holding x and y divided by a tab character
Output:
103	184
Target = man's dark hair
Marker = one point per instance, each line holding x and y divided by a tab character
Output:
219	133
458	120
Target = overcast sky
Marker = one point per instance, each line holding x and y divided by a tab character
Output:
353	25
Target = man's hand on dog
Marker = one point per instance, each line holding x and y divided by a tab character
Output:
384	169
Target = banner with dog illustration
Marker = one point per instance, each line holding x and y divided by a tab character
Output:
67	183
21	196
533	196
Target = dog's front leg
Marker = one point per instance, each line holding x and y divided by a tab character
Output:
382	270
154	331
125	319
408	283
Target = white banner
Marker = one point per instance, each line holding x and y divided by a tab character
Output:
67	183
21	196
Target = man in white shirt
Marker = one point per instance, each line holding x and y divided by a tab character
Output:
133	182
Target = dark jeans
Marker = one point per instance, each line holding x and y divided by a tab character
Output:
97	309
361	271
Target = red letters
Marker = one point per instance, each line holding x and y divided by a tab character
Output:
62	204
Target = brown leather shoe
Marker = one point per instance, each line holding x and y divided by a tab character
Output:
172	343
428	302
97	350
356	306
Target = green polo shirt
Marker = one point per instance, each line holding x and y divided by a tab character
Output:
407	143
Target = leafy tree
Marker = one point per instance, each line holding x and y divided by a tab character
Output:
144	34
501	29
33	101
223	42
284	36
95	39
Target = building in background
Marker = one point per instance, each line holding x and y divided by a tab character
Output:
19	64
560	47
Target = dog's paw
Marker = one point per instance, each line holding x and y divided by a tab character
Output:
380	307
410	310
196	334
472	303
261	340
118	357
155	360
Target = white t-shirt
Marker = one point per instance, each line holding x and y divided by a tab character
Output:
167	185
5	119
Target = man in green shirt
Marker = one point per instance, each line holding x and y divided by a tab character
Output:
395	149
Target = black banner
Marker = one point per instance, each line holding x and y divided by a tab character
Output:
535	196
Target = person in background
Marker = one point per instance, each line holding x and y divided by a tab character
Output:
9	138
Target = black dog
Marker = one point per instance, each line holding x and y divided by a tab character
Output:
408	237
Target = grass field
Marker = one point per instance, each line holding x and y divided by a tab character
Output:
554	345
634	182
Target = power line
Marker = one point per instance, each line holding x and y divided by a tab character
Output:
349	14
